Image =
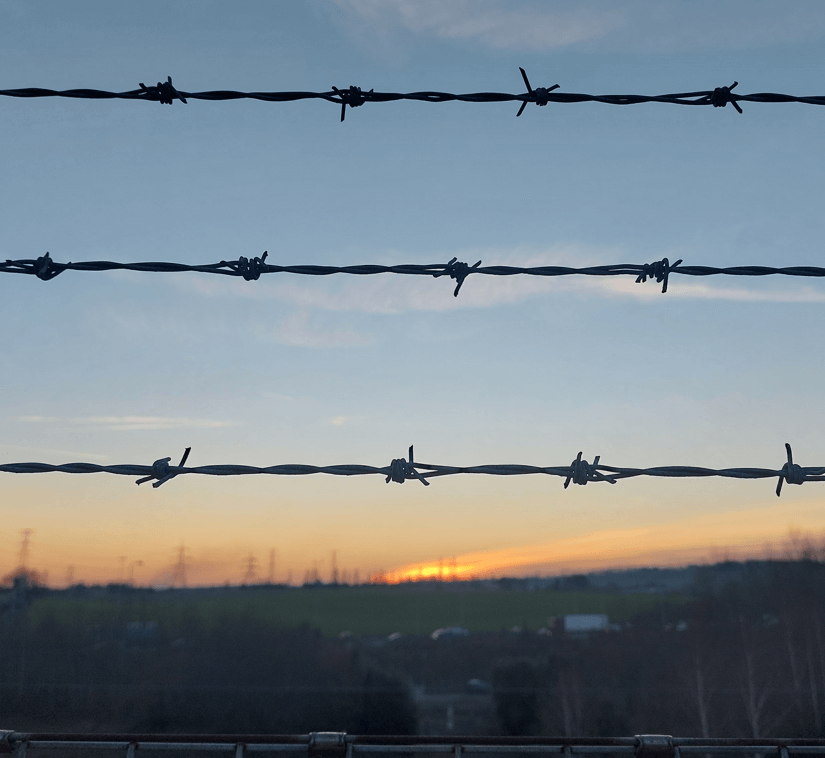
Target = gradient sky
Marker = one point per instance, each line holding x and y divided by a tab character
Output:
128	368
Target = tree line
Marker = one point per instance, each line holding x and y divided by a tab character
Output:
743	654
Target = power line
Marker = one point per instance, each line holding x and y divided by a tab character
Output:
401	470
250	269
166	93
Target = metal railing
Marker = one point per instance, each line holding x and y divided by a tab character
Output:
343	745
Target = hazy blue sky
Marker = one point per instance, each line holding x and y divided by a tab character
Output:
127	368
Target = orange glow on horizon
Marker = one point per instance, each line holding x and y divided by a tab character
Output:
122	540
736	536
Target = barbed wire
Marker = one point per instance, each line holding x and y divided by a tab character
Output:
354	97
580	471
250	269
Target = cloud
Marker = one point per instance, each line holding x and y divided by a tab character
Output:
54	451
129	423
531	25
494	24
279	397
679	288
338	421
297	330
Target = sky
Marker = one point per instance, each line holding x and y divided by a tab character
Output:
125	367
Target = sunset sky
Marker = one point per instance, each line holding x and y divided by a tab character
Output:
131	367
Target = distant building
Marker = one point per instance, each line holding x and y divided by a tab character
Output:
586	623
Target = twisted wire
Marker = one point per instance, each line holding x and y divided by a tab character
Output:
251	269
400	470
352	96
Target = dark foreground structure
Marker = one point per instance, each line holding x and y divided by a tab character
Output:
343	745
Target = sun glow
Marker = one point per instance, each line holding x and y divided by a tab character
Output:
736	535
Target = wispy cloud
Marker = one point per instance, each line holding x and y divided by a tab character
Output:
129	423
299	330
678	287
641	24
279	397
13	450
338	421
495	24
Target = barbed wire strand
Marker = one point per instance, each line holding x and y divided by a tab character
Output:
352	96
580	471
250	269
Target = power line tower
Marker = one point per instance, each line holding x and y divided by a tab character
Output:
272	566
179	573
333	573
25	534
251	573
69	576
132	571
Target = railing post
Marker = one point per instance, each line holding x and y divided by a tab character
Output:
654	746
327	745
6	744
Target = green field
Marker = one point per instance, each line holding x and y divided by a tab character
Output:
380	609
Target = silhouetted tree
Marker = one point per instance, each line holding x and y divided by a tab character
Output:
515	692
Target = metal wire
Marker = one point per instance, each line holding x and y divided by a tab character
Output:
401	470
45	268
166	93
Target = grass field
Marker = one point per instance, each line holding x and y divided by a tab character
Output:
381	609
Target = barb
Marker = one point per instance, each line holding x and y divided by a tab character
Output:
165	93
581	472
457	270
252	268
790	472
721	96
352	97
400	470
162	471
658	270
43	268
540	96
